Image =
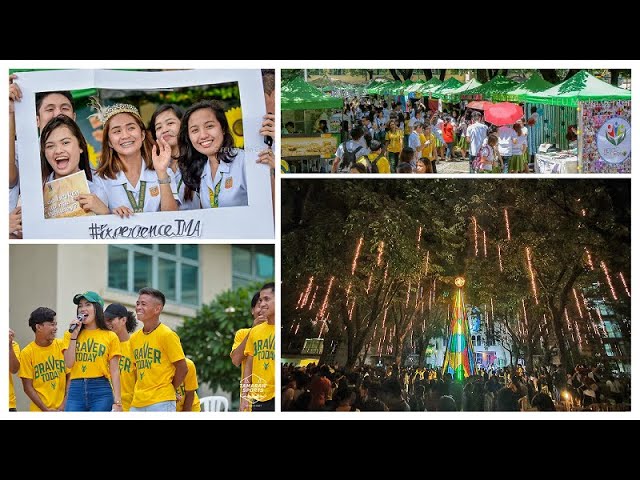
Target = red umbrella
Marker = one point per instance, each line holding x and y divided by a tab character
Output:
504	113
479	105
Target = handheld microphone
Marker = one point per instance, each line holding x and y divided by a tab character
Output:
79	317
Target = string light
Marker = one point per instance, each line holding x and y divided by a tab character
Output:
380	252
419	236
426	264
353	305
484	239
626	289
475	234
533	281
500	258
307	292
326	299
589	260
606	273
506	222
408	291
357	254
300	300
297	327
386	271
384	318
369	284
313	299
575	295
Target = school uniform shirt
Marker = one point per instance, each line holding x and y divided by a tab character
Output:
45	367
94	349
94	187
395	140
228	188
154	354
12	392
127	374
145	196
14	195
178	193
261	345
190	383
237	340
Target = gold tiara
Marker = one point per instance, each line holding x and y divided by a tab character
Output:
105	113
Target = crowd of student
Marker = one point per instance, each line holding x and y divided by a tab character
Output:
375	388
379	139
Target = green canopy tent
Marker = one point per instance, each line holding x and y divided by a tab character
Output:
455	95
449	85
533	84
375	84
429	86
581	87
486	91
589	103
299	95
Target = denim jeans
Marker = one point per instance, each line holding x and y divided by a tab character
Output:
168	406
89	395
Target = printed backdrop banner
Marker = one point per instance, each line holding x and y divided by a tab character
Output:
604	140
254	221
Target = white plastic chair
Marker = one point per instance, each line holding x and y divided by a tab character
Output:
214	404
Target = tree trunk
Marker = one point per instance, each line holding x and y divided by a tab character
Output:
481	75
443	73
406	74
394	74
615	76
570	73
504	72
428	74
550	75
368	74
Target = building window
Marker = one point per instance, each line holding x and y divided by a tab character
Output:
252	263
174	269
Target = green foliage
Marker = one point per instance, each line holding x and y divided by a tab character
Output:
208	337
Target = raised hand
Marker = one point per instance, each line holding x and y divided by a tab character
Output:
161	156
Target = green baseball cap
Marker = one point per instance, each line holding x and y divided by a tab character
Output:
89	296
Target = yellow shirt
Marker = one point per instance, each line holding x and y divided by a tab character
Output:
261	345
382	164
240	336
395	140
127	374
429	150
94	349
12	392
190	383
155	354
45	367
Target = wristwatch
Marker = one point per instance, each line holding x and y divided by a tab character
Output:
164	182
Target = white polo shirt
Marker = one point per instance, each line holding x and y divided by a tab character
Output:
176	178
117	191
232	181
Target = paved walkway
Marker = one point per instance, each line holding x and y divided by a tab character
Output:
457	166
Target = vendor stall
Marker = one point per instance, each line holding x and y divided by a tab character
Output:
303	104
602	114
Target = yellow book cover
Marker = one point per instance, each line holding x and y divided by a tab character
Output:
59	196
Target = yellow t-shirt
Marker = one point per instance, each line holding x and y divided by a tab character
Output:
429	150
261	345
190	383
94	349
127	374
46	368
237	340
395	140
12	392
155	354
382	164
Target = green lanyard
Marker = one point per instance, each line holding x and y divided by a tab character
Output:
215	193
138	207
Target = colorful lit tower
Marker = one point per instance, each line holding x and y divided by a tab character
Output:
459	359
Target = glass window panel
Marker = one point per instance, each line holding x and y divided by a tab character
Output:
142	274
264	265
145	246
118	268
241	260
167	278
190	285
190	251
170	249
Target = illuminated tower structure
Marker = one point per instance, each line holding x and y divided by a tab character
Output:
459	360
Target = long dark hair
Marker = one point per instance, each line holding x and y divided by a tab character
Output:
192	162
54	123
178	111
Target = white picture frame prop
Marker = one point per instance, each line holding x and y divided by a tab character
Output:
254	221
